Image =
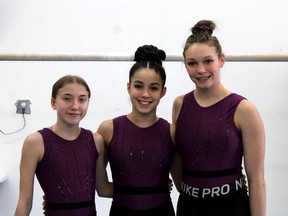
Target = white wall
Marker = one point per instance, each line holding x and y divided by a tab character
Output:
119	27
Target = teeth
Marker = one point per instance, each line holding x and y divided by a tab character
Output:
144	102
202	78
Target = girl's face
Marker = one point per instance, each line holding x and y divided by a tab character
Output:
203	64
71	103
145	90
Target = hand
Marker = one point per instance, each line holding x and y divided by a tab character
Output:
44	203
170	185
245	183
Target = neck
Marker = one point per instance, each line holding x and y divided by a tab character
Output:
144	120
66	132
207	97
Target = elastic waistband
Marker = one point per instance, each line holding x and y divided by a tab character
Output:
212	174
141	190
217	191
66	206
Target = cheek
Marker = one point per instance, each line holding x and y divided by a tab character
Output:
85	106
190	70
157	96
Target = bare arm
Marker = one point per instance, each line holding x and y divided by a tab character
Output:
32	153
248	120
177	105
176	167
103	186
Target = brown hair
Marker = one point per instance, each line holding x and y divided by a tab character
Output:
202	33
67	80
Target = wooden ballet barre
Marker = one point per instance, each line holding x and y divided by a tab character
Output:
108	57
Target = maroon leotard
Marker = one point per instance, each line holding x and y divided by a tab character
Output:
209	141
67	172
140	160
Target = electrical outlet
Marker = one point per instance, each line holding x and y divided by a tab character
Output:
23	106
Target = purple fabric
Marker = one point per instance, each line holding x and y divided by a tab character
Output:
208	139
67	172
141	157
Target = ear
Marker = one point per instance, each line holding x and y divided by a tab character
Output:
53	104
128	87
222	60
163	91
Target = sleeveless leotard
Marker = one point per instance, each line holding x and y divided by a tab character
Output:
67	173
210	145
140	161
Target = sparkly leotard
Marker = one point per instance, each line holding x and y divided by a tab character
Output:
209	142
140	161
67	173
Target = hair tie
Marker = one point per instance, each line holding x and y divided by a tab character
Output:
205	28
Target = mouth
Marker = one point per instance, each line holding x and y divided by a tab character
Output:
74	114
203	78
144	102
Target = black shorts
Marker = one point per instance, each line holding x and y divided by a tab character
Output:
234	204
163	210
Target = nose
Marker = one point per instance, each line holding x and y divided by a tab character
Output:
75	104
200	68
145	92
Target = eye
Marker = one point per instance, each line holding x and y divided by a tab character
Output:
82	99
154	88
191	63
137	86
208	61
67	99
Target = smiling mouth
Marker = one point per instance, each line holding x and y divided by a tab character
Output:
73	114
145	102
203	78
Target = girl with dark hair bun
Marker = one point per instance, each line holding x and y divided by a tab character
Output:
216	130
140	144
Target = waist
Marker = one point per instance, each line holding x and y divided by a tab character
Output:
211	192
141	190
212	174
67	206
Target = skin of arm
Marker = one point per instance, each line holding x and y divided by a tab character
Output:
176	167
177	105
103	137
104	188
249	122
32	153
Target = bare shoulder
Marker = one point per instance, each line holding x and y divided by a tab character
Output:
34	145
177	104
246	108
106	130
178	100
105	125
99	142
34	140
246	114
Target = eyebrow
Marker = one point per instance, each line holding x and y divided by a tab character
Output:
205	57
140	82
70	95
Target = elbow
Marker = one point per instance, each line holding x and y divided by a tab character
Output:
106	191
23	209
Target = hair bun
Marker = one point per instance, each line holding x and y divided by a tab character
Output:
204	26
149	53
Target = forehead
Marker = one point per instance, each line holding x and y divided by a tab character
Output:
200	50
146	74
73	89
